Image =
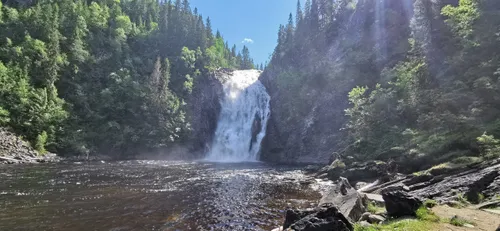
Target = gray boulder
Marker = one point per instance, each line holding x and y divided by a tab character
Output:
346	199
399	203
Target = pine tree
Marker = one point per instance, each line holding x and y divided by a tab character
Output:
299	16
209	33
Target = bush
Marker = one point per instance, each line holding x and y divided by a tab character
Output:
466	160
458	221
41	141
430	203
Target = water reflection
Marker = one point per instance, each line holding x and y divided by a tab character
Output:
149	195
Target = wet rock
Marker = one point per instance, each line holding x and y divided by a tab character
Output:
399	203
346	198
325	218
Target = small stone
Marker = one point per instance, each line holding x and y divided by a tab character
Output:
365	216
468	226
375	219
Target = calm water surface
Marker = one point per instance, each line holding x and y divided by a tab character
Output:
150	195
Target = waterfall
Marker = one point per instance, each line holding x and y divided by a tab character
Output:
243	119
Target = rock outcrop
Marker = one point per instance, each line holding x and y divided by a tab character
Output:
481	180
205	109
399	203
14	150
324	218
346	199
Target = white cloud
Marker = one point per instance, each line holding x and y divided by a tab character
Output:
247	40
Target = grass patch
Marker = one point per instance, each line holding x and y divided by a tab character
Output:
424	214
374	209
467	160
462	199
430	203
458	221
406	224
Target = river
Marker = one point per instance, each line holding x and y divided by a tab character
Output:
150	195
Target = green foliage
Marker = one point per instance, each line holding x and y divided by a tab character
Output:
430	203
405	224
489	146
425	214
458	221
110	77
41	141
374	209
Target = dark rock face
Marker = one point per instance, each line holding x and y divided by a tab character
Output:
305	124
205	110
444	188
324	218
399	203
294	215
346	199
13	150
357	171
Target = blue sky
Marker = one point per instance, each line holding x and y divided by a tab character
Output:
256	20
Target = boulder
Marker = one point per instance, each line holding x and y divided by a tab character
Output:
335	170
376	199
324	218
366	170
294	215
375	219
399	203
346	199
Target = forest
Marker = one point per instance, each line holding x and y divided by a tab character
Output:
406	80
107	76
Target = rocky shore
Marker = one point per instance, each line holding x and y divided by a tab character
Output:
463	190
14	150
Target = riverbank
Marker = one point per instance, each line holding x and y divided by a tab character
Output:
445	197
14	150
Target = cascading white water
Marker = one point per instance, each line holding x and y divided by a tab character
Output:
243	119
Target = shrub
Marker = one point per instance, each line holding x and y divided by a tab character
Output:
458	221
467	160
41	141
430	203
